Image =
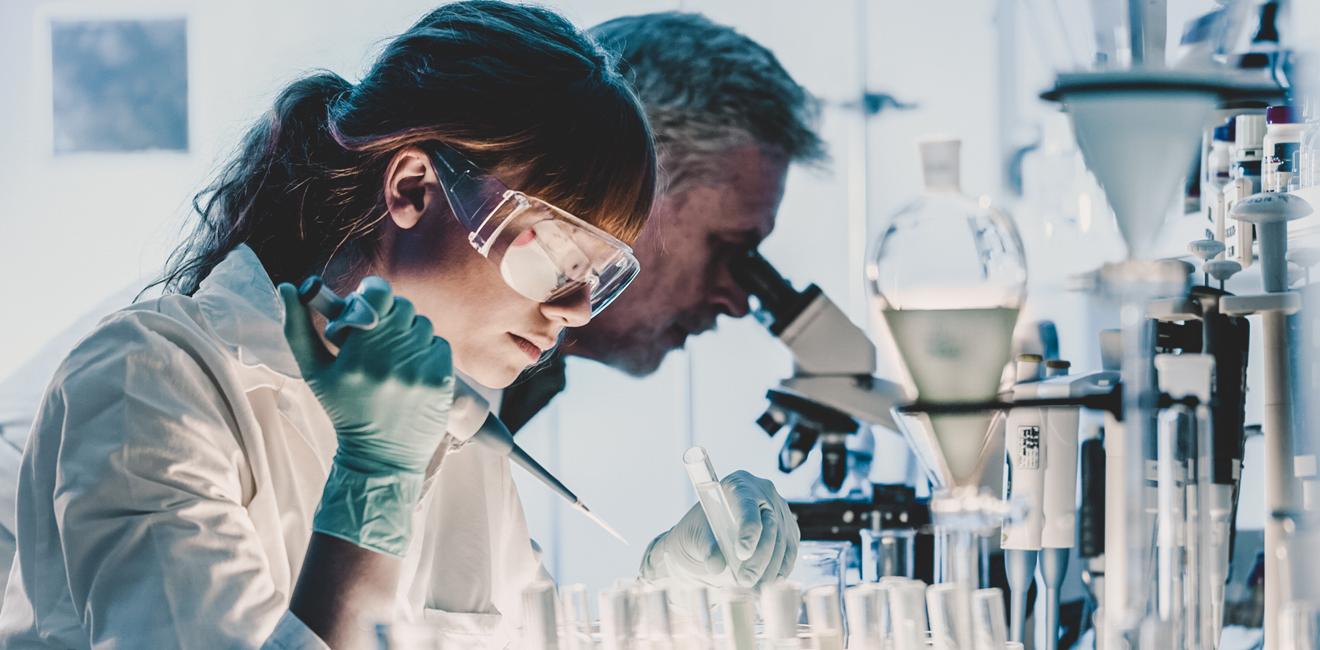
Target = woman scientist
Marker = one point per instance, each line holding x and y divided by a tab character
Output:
205	472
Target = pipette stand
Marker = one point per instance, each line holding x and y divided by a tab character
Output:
1271	215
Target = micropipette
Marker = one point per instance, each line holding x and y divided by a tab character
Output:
716	506
469	417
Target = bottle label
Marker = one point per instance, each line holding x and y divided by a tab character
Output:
1029	453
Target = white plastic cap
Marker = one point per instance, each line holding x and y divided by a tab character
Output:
1250	130
940	160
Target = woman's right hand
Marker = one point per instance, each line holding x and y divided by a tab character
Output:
389	390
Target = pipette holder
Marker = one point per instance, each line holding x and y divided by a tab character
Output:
1138	130
1270	213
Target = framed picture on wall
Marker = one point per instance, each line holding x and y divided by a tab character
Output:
117	83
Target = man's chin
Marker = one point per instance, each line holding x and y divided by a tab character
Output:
640	365
637	358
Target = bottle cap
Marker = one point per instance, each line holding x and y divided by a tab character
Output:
1224	133
1281	115
1028	367
1250	131
1056	368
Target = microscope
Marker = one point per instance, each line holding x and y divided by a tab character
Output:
830	400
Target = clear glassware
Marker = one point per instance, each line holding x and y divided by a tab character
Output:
825	617
1309	163
948	276
1299	625
576	622
737	616
887	552
868	616
821	563
989	623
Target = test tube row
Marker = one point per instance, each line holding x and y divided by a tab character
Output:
893	614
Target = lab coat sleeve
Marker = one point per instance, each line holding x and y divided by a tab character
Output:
149	501
292	634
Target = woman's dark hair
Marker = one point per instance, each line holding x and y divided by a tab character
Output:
517	89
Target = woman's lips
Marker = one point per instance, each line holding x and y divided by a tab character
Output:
530	349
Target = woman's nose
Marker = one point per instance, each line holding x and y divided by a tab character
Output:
573	310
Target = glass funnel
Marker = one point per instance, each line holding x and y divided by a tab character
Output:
948	275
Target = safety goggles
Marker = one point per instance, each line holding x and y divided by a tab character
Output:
543	252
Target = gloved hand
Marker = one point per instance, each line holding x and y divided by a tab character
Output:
388	394
767	540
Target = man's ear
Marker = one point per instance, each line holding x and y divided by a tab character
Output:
411	188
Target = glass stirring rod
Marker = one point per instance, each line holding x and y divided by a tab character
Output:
716	506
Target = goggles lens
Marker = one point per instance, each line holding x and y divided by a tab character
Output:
544	253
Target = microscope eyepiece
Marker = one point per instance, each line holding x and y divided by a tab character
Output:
778	302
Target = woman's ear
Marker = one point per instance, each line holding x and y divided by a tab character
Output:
411	188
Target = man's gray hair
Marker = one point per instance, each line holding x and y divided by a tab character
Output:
706	89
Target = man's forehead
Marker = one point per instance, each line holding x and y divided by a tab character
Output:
749	194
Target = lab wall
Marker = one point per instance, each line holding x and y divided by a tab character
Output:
76	228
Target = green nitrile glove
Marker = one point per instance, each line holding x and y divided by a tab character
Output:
388	394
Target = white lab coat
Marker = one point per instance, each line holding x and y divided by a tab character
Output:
167	490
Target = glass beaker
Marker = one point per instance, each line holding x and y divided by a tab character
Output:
821	563
887	552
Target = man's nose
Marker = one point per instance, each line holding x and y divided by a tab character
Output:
729	296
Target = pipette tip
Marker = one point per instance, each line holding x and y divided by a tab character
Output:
582	507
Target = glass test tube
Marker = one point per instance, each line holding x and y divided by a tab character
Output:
989	623
540	620
824	617
1299	626
690	617
738	616
868	616
907	612
716	506
577	617
616	630
656	628
781	607
941	602
887	552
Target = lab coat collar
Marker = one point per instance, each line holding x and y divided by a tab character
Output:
241	306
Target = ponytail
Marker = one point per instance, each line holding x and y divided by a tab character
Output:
277	194
305	185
